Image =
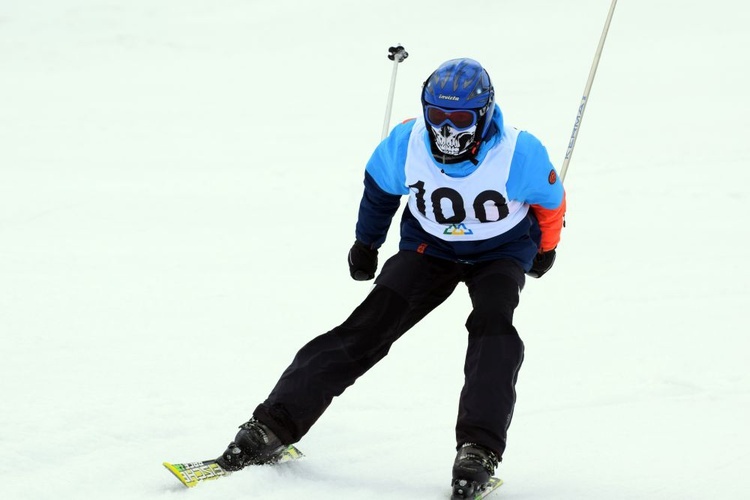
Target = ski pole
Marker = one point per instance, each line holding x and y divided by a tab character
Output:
395	54
586	91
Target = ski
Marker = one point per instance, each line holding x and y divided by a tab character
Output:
191	474
459	489
495	483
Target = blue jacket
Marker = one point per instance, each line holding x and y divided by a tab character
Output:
532	180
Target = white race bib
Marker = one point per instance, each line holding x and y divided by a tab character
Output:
470	208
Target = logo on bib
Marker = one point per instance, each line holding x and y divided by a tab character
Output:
457	230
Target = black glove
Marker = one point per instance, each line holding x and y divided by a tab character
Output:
542	263
363	261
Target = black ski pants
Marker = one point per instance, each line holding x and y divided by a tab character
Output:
408	288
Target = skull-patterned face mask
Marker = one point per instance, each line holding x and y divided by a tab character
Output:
453	142
452	130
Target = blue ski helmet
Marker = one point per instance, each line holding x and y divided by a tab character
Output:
458	84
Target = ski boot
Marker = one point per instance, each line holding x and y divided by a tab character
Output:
255	444
472	470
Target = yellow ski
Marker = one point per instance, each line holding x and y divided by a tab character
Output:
191	474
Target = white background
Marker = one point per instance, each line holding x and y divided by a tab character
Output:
179	183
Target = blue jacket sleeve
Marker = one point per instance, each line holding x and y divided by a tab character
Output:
386	165
533	178
385	181
376	210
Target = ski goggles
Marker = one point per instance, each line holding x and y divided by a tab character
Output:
460	119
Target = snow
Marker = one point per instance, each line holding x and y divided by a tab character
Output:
179	182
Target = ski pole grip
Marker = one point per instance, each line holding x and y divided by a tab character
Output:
397	53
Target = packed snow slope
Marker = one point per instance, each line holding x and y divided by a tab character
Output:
179	183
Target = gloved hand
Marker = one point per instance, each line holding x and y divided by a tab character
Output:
363	261
542	263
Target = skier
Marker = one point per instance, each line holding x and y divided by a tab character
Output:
485	208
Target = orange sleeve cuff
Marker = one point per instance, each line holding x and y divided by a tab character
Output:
551	222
